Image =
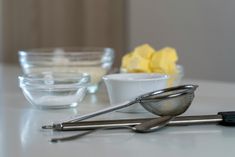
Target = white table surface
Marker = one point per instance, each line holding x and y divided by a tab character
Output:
21	136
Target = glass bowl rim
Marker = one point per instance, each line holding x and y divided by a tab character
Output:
135	77
67	50
26	81
179	67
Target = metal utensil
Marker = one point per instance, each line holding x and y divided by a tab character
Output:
140	128
147	126
162	121
153	125
166	102
222	118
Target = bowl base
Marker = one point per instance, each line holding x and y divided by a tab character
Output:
92	88
56	106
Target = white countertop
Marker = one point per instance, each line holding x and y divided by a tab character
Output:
21	134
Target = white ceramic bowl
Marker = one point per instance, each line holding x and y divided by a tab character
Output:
173	80
94	61
123	87
54	90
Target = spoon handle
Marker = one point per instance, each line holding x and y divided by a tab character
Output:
70	138
153	124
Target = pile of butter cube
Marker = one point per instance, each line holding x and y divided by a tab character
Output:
145	58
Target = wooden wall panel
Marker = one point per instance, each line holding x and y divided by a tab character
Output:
42	23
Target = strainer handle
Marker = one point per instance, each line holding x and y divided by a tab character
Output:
228	118
100	112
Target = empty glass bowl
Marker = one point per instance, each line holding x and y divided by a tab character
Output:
53	89
94	61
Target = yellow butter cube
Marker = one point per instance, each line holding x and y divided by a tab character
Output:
145	59
138	64
170	53
145	51
125	60
163	61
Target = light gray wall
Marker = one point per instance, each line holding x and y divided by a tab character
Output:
203	32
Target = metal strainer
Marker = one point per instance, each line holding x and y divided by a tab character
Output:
166	102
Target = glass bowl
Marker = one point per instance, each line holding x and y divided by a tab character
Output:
94	61
54	90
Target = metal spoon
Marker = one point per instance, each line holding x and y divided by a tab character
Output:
148	126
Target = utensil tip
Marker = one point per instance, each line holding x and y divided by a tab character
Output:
47	127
